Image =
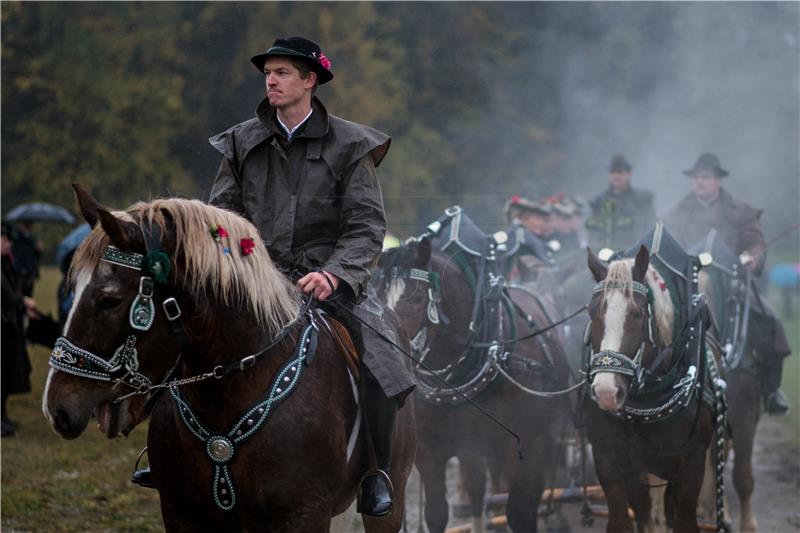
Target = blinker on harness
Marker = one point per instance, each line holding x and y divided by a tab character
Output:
434	282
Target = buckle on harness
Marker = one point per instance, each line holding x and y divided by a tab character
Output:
247	362
146	287
172	309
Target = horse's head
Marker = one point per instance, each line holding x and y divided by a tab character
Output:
622	325
405	283
99	341
150	283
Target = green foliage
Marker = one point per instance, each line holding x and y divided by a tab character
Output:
93	95
482	99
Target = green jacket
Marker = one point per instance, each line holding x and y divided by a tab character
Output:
316	200
619	221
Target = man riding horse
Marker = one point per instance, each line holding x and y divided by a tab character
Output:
709	206
306	179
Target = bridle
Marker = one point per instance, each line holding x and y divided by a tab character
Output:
434	281
618	362
123	367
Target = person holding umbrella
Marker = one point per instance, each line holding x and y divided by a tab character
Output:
27	249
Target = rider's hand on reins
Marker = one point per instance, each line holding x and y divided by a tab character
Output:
319	284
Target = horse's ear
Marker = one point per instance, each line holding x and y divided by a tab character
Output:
114	228
641	263
88	205
94	212
423	250
599	270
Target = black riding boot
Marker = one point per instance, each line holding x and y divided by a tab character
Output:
142	476
775	401
375	494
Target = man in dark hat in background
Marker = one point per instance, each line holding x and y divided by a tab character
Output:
621	215
709	206
307	180
530	226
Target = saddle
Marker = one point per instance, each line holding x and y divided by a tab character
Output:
343	340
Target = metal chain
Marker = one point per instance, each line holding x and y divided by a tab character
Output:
541	394
175	382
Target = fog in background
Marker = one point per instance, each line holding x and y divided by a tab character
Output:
483	99
719	77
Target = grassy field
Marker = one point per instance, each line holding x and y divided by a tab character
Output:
49	484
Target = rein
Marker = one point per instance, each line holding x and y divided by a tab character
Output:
442	380
493	366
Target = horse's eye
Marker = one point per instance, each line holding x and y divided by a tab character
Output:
109	302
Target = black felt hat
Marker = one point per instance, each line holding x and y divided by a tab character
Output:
619	164
707	161
299	48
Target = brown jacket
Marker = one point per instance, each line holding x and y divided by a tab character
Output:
736	222
316	200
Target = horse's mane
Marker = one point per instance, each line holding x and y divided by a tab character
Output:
251	281
620	274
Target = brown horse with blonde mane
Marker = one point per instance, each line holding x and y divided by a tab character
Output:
654	397
260	429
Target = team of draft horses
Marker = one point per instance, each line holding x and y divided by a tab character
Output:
503	366
275	363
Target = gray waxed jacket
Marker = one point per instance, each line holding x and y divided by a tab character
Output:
315	200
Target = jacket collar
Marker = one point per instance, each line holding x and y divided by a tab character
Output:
318	122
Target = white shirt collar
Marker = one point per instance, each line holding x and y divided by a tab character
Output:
290	132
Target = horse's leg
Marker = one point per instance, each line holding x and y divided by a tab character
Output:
640	502
473	470
688	484
430	465
526	484
614	486
743	418
707	501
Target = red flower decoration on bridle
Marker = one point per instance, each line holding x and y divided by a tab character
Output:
515	199
324	61
248	245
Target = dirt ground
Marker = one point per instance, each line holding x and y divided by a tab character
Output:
776	500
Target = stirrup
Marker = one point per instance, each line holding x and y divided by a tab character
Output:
142	477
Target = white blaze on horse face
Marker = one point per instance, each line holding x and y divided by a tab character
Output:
396	289
605	385
84	278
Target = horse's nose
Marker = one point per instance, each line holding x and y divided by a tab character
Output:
606	393
64	425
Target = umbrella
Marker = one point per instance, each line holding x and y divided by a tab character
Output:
71	241
40	212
